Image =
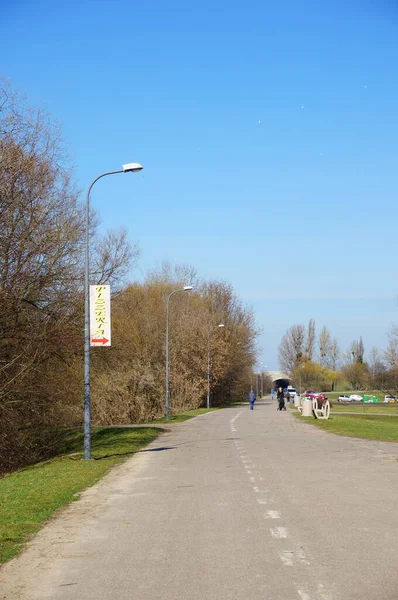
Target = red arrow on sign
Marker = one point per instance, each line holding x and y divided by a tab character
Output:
102	340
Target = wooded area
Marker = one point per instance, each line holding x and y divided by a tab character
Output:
316	361
41	317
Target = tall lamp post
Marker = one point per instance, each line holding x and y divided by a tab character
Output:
262	378
208	361
186	288
128	168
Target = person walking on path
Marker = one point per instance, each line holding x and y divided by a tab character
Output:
272	393
281	399
252	399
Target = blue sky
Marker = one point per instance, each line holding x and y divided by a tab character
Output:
268	134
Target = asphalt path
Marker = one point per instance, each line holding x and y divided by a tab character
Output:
234	504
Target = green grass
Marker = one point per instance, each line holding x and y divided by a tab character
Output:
30	496
371	427
380	408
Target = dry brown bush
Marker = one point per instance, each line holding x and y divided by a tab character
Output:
42	230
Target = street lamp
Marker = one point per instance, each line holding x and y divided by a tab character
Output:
208	361
128	168
262	378
186	288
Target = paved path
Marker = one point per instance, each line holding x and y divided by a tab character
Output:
235	504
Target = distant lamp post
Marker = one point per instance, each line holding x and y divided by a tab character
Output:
186	288
208	361
128	168
262	379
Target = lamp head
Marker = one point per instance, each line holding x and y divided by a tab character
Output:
187	288
221	325
132	167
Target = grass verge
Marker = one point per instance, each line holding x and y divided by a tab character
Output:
380	409
30	496
370	427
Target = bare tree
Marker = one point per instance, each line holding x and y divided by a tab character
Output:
361	351
390	355
311	340
292	348
393	336
41	271
376	366
325	346
334	354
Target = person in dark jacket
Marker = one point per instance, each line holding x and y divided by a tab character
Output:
281	399
252	399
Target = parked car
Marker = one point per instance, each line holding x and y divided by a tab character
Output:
315	395
389	398
356	397
318	396
343	398
292	391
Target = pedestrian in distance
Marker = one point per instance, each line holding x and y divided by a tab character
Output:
272	394
252	399
287	396
281	399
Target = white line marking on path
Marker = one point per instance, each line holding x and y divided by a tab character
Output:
257	490
262	501
235	417
279	533
291	558
324	594
272	514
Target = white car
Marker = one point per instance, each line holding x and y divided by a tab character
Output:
389	398
343	398
356	397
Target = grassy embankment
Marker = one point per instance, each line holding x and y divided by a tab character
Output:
371	420
30	496
367	426
380	409
370	427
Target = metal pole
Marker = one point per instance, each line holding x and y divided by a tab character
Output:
87	398
300	379
208	369
167	358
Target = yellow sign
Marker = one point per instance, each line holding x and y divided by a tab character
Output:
100	315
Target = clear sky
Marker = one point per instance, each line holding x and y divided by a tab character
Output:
268	132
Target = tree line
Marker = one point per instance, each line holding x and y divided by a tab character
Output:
41	300
316	360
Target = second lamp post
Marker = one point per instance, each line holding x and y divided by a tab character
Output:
186	288
208	361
